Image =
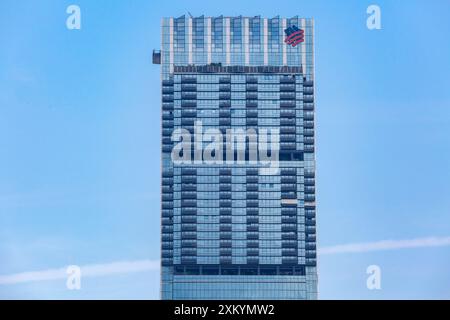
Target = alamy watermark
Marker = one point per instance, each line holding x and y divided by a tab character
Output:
237	146
73	22
73	277
373	21
373	282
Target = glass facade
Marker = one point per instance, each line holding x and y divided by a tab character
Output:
229	231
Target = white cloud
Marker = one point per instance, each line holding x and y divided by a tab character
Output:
386	245
94	270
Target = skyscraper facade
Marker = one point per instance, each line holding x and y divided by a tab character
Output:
229	229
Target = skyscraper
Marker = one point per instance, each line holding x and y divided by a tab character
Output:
230	228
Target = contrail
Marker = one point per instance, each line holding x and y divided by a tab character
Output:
99	270
93	270
386	245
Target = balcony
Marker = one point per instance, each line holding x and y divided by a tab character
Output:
308	140
189	95
311	262
289	252
288	171
289	260
252	236
288	219
225	228
288	187
287	130
189	195
167	98
167	106
289	228
308	148
289	236
224	179
289	211
224	104
167	124
186	79
189	179
308	124
287	137
189	203
287	104
189	219
188	227
187	121
252	195
188	211
308	115
225	252
310	211
288	179
252	220
225	220
251	104
287	121
167	205
224	121
251	79
251	96
308	90
287	79
225	187
308	99
225	203
252	179
287	87
252	203
225	195
224	87
167	90
287	146
188	112
308	106
225	211
188	104
188	87
224	96
224	113
287	96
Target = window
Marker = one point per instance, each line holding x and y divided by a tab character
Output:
236	31
198	33
255	31
217	32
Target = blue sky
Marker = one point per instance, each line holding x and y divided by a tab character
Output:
80	141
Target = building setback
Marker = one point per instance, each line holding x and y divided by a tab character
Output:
229	231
